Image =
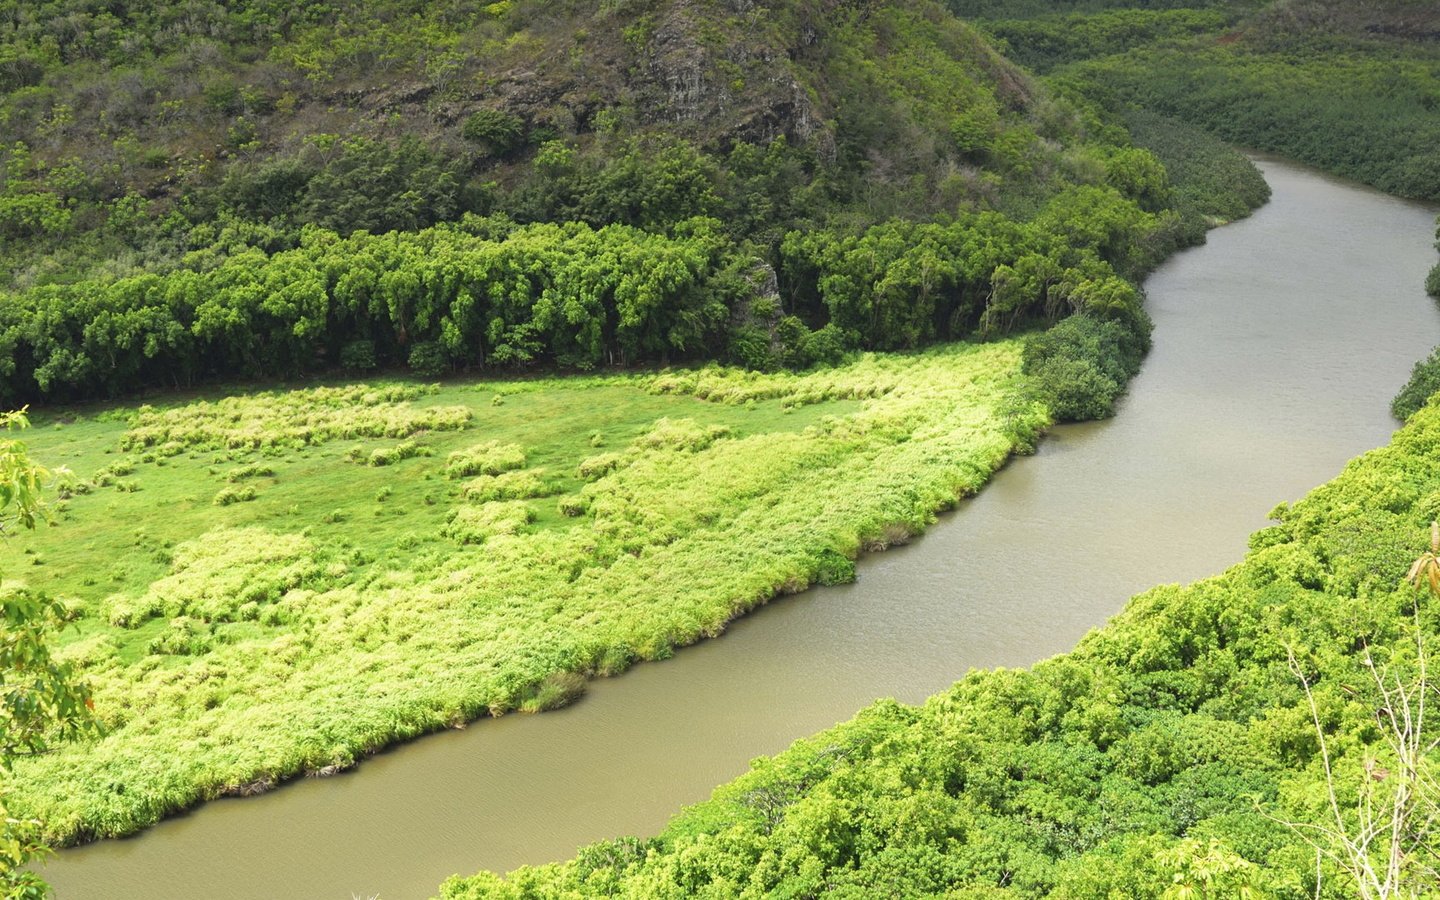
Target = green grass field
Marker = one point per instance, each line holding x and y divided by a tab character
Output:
268	584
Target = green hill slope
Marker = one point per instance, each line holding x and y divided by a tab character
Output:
140	123
192	197
1349	87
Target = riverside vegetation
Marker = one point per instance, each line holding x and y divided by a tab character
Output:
1222	739
1174	753
265	585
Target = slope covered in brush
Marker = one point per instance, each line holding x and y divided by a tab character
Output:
1349	87
126	129
255	191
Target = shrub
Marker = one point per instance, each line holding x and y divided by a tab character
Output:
599	466
388	456
1082	364
828	346
508	486
254	470
1432	282
477	524
556	690
1075	390
378	187
1424	382
496	131
228	496
183	637
793	336
489	458
358	356
428	359
750	347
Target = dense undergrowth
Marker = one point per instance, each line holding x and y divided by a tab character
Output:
134	134
1349	87
265	585
1163	756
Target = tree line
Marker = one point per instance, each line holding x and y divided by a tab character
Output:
486	293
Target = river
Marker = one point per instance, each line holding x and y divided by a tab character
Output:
1278	346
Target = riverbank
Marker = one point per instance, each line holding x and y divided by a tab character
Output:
296	580
145	625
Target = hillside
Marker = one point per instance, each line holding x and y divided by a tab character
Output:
1349	87
508	186
136	134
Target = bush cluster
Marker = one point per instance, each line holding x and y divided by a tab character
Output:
1080	366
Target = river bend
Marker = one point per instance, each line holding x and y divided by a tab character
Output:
1278	346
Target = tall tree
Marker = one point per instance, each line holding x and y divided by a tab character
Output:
41	699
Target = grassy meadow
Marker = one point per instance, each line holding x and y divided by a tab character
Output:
277	583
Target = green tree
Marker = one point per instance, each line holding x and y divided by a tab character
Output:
41	700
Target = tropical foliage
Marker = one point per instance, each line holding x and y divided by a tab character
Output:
41	700
487	293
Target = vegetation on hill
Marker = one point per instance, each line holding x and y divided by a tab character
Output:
134	134
1189	748
1349	87
261	190
231	191
771	185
